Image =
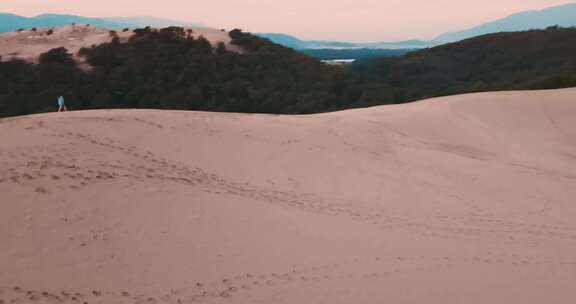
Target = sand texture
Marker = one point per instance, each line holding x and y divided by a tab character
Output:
28	45
464	199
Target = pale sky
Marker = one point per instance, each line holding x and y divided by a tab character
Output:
345	20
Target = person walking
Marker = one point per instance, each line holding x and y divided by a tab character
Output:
61	105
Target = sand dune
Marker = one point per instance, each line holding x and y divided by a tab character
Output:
464	199
29	45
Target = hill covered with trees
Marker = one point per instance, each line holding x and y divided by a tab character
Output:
537	59
173	69
169	69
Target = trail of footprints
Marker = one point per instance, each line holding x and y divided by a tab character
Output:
61	162
372	268
375	268
64	164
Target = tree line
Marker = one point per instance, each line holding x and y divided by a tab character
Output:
171	68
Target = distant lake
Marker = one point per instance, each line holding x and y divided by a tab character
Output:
339	61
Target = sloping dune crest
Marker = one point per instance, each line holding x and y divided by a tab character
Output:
463	199
29	44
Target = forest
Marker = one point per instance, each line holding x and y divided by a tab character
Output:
172	69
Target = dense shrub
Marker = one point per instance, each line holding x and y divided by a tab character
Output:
172	69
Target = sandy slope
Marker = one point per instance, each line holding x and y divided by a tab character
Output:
466	199
28	44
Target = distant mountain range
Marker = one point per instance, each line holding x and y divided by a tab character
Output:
12	22
563	15
296	43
